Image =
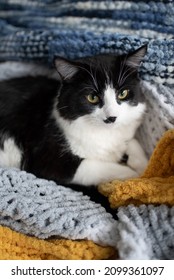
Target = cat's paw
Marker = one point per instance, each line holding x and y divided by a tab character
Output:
94	172
128	174
119	172
139	164
137	159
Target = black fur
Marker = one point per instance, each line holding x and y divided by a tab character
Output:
26	106
104	69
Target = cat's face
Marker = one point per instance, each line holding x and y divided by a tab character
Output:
103	89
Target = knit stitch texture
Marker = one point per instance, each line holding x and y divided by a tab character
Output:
32	32
39	30
43	209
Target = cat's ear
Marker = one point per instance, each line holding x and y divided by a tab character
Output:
135	58
65	68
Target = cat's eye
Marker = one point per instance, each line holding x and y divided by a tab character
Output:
123	94
92	98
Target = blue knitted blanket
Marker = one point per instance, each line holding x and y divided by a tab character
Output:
32	32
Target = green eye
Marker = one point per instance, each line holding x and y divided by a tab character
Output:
92	98
123	94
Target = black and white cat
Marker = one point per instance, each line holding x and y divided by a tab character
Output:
76	130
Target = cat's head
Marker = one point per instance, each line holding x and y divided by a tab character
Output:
104	89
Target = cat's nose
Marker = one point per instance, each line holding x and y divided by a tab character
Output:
110	120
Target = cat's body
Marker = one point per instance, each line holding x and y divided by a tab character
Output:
75	130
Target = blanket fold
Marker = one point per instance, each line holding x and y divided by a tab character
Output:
155	186
41	220
17	246
144	232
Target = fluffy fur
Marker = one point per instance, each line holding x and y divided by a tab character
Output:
54	129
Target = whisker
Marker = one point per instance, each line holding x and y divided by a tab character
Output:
88	87
126	85
91	75
120	72
123	63
62	108
106	73
124	77
94	79
96	75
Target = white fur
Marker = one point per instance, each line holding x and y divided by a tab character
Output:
94	172
102	145
137	159
10	155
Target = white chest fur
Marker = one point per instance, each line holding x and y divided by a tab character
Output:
101	146
92	141
89	137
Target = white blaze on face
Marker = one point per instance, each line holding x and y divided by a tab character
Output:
124	112
110	104
109	108
90	137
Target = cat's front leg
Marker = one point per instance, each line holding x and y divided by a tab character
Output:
137	159
94	172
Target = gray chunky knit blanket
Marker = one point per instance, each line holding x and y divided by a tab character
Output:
31	33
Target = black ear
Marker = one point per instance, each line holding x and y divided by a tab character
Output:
135	58
65	68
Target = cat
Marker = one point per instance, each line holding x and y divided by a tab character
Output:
79	129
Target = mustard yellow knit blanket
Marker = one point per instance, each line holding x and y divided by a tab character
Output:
155	186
